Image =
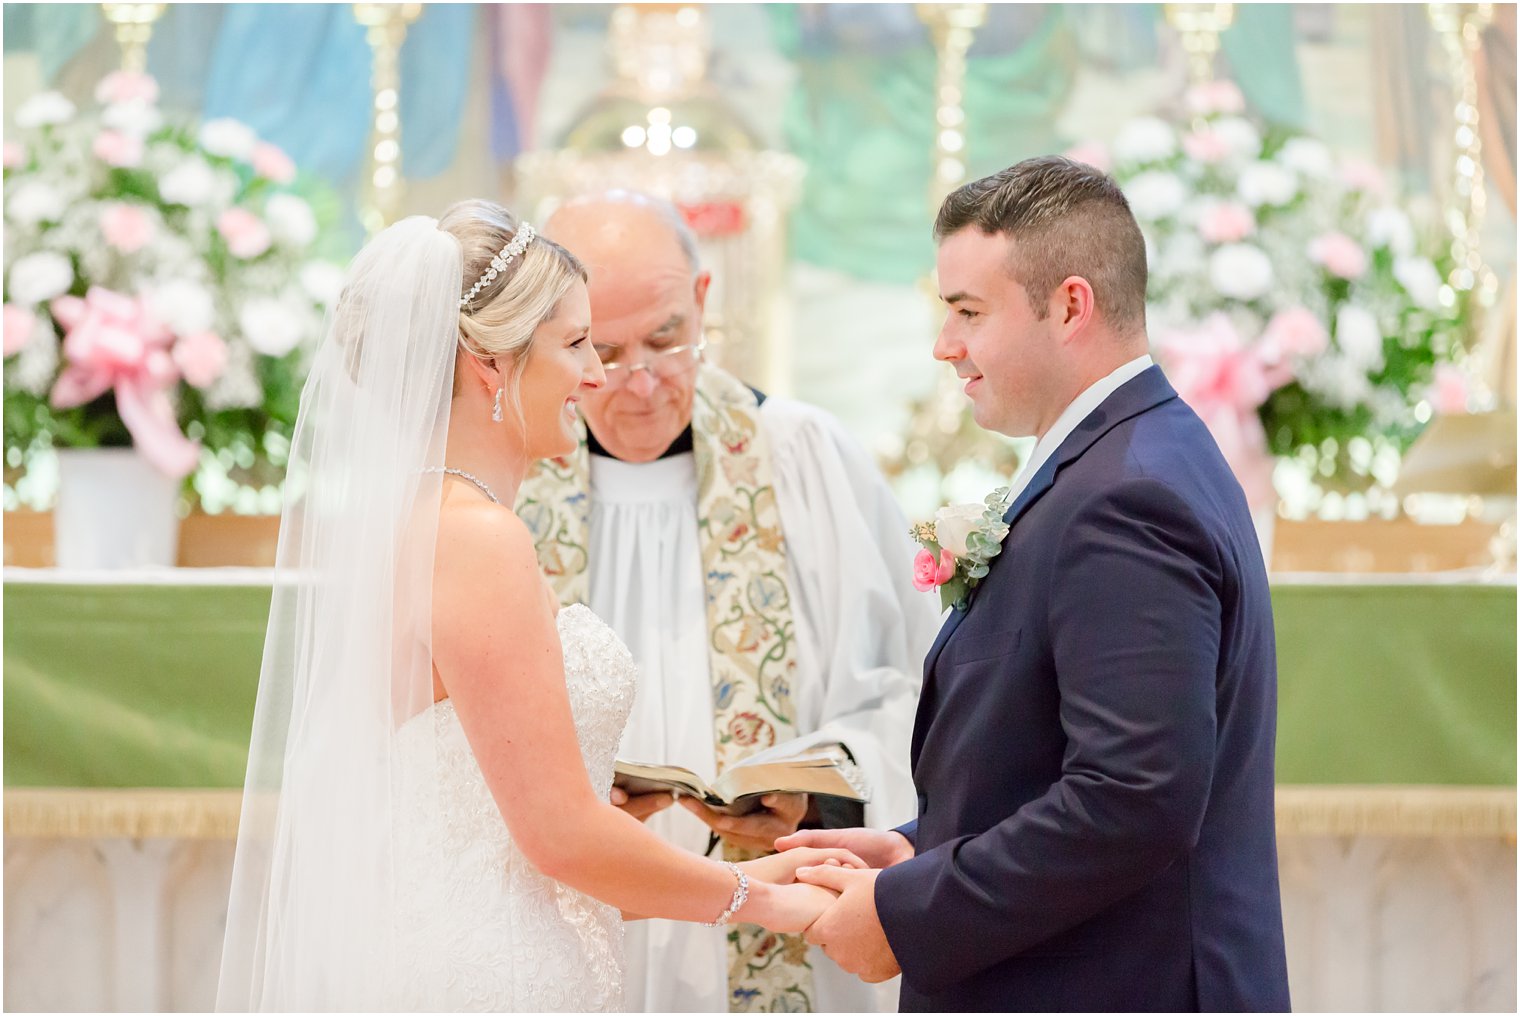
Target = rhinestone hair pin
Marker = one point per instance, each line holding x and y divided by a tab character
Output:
514	248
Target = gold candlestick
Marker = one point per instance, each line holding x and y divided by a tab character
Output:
1200	26
953	29
134	27
385	26
1460	27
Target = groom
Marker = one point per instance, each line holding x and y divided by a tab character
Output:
1093	751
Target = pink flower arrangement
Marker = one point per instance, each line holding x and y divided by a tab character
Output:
20	322
201	357
126	227
1213	97
114	148
126	86
246	235
931	574
1226	222
112	343
1294	333
1205	146
271	162
1339	255
15	154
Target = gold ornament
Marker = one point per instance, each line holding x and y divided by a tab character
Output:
134	27
385	29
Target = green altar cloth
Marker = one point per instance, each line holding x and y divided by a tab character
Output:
111	685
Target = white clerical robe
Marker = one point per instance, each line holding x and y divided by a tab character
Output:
863	631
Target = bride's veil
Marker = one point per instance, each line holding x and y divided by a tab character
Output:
312	918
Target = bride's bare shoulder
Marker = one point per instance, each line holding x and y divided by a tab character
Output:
477	534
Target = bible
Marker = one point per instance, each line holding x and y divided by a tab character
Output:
803	766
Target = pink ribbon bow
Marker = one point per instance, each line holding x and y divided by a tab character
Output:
112	342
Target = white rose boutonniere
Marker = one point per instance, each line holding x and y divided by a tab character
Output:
957	547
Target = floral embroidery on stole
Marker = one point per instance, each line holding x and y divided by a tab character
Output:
751	633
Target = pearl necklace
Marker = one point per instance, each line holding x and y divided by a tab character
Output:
466	476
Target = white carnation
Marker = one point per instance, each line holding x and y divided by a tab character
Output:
37	278
191	183
34	201
1390	227
1358	337
1308	157
1145	139
1241	271
322	281
270	326
44	108
290	220
1183	255
1265	183
139	119
1155	194
228	138
1337	380
1420	280
36	367
954	523
185	306
1239	135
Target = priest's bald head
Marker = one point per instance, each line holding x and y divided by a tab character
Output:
647	296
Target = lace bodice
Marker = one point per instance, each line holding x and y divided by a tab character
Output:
484	929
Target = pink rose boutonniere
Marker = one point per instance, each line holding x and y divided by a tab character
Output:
957	547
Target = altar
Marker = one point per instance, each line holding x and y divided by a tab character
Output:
129	698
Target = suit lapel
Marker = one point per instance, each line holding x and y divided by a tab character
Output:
1144	391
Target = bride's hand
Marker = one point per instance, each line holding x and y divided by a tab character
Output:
782	868
785	908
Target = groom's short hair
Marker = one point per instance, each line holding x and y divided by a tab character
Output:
1064	218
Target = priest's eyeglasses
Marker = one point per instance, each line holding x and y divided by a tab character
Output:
665	365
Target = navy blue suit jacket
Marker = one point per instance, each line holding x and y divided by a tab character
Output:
1093	751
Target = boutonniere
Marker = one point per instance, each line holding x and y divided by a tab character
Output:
958	545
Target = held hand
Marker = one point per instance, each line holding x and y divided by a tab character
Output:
641	806
756	831
785	908
782	868
878	848
850	931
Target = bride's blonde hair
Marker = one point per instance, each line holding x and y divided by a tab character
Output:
500	321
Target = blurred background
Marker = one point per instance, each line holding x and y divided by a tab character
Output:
1328	195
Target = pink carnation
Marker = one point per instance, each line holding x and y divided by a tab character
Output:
201	357
1093	154
126	227
1214	97
246	235
1227	222
1339	255
1293	335
1359	174
1205	146
117	149
930	574
15	154
271	162
19	324
126	86
1448	391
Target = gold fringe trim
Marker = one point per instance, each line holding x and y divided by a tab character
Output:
126	814
1412	811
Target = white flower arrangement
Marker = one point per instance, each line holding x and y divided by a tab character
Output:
155	281
1291	298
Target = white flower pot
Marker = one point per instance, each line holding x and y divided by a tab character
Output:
114	511
1265	517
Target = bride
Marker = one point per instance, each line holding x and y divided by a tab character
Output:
425	823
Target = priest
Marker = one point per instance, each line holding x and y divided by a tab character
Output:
756	564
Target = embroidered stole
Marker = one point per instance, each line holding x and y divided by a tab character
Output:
751	633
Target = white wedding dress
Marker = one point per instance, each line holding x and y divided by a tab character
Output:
480	928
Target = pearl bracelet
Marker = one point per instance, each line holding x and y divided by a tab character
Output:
741	896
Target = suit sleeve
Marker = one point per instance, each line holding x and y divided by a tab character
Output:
1134	624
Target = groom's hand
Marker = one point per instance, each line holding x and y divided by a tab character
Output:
758	830
877	847
850	932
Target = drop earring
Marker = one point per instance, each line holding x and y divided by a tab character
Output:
496	407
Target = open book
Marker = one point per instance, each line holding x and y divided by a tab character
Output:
807	765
